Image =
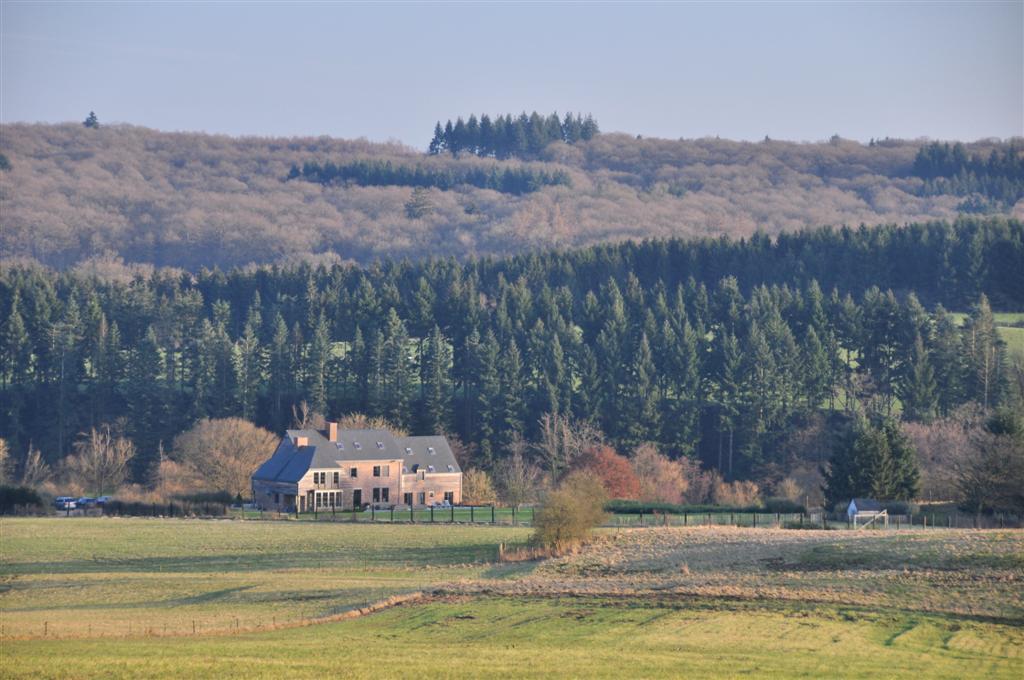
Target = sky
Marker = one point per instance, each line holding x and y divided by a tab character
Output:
800	71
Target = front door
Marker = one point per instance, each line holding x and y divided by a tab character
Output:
357	499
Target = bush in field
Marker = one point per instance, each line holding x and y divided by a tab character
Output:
14	497
570	511
738	494
613	470
477	488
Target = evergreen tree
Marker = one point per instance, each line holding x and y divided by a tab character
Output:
397	371
436	380
919	397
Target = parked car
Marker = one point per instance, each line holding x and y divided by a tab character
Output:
86	502
65	503
103	500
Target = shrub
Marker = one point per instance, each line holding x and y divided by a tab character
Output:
570	512
14	497
477	488
613	470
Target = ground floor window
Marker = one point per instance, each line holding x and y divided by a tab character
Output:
449	497
423	498
408	499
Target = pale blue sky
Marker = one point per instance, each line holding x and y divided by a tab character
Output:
789	70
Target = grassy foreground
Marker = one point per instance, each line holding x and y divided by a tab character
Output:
581	638
663	602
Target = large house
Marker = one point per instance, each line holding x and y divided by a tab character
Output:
353	468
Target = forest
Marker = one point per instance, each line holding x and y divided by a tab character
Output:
93	197
748	357
506	137
507	180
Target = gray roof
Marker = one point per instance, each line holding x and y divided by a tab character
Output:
423	452
290	463
867	504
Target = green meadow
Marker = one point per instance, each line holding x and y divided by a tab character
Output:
82	597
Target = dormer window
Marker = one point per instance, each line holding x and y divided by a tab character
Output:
430	468
380	445
431	451
408	451
451	468
340	445
359	447
405	469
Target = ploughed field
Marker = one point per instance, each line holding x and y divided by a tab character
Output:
117	598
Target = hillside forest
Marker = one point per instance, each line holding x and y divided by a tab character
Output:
749	358
96	195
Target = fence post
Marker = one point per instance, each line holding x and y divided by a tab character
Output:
732	518
492	514
431	514
451	519
373	512
412	514
755	520
472	514
514	516
392	514
709	519
686	518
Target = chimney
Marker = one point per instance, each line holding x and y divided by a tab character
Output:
301	441
332	432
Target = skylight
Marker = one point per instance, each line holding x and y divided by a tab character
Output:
408	451
380	445
430	450
451	469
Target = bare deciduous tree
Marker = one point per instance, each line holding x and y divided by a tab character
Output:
224	452
6	464
518	479
562	440
100	461
661	479
35	470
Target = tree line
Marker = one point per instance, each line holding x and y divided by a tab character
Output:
522	136
516	180
948	169
716	350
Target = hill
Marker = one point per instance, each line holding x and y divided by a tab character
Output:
70	193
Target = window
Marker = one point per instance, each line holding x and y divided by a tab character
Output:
353	472
376	471
431	451
338	475
405	469
385	494
359	447
408	499
376	494
408	451
416	467
380	445
423	498
386	471
430	468
340	445
451	468
449	497
277	498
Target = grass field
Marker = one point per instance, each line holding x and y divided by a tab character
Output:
664	602
1010	326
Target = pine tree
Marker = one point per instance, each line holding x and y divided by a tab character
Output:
511	406
437	143
15	346
397	371
640	418
920	400
316	372
281	375
436	381
145	397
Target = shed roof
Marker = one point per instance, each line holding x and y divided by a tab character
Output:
867	504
